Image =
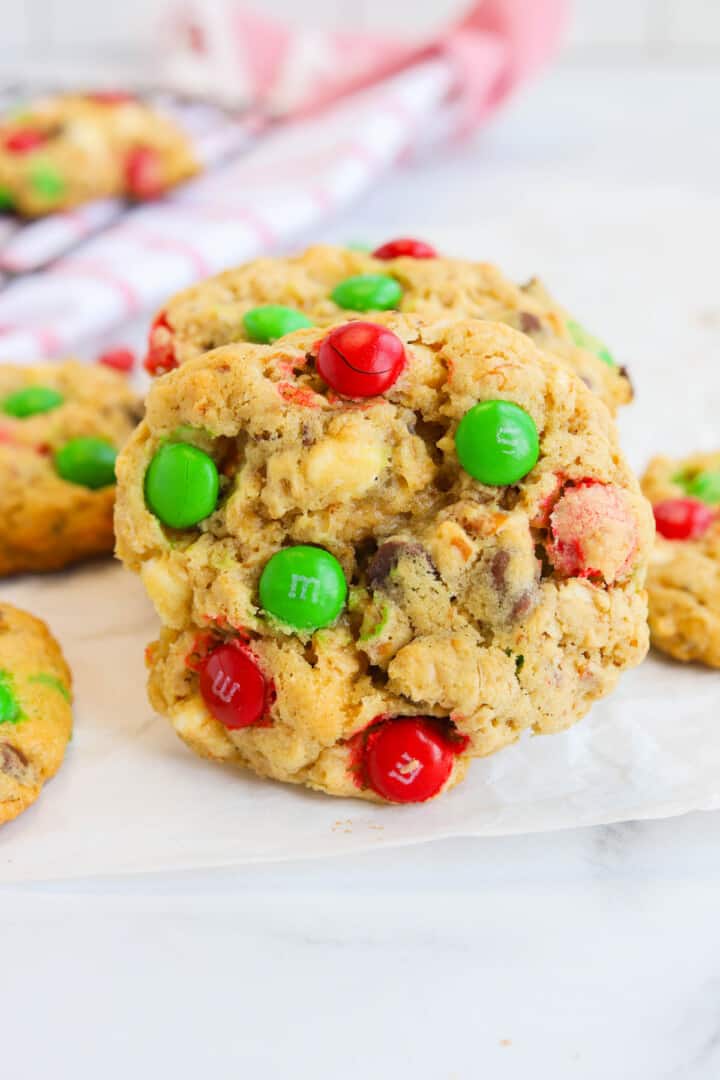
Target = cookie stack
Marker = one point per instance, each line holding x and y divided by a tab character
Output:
380	506
379	503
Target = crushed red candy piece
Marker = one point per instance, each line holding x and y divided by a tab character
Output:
593	532
160	356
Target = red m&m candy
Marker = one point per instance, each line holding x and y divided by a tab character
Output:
407	760
160	356
405	245
682	519
24	140
144	176
120	359
361	359
233	687
111	97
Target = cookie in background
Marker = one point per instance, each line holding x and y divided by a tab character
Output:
35	709
684	574
269	297
61	426
69	149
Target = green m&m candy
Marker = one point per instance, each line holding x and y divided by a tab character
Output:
588	341
368	292
704	486
303	587
6	199
272	321
181	485
9	708
46	181
497	442
31	400
87	461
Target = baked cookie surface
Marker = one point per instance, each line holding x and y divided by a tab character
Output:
360	593
35	709
69	149
684	573
323	283
61	425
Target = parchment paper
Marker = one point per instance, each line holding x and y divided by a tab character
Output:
132	798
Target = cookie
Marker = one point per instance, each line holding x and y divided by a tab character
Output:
684	574
381	550
270	297
60	429
35	709
69	149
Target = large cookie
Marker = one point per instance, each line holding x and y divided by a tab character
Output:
60	428
359	593
684	574
321	285
69	149
35	709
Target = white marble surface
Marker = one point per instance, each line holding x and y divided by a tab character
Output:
586	954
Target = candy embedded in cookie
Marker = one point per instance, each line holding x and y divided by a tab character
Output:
360	359
181	485
120	359
408	275
406	759
683	519
497	442
233	687
405	246
684	574
61	426
393	575
272	321
303	587
35	709
368	292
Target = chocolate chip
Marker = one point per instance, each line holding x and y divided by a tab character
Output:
523	604
625	374
498	569
387	557
12	761
134	413
307	438
529	323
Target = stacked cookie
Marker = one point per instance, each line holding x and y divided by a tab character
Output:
381	509
380	506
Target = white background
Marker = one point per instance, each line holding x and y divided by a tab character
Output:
586	955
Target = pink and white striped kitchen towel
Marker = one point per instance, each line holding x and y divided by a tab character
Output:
344	123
